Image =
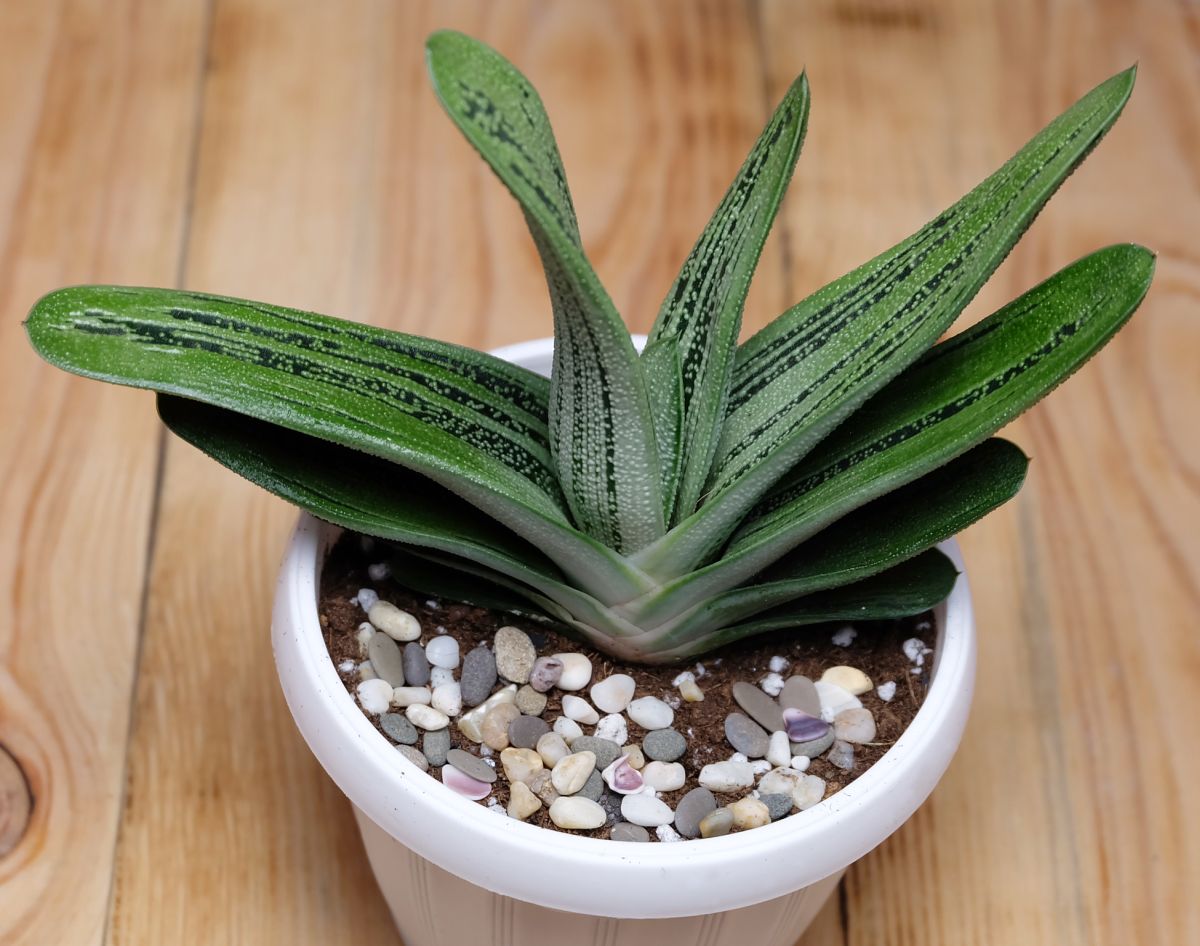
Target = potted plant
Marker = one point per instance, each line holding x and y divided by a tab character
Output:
654	501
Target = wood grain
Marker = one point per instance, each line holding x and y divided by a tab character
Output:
294	152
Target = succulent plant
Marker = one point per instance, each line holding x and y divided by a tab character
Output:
660	503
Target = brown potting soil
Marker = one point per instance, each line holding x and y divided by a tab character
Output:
877	650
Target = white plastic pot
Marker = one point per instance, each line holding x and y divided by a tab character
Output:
456	874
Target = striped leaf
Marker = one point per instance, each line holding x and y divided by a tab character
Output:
472	423
601	422
812	367
665	379
703	310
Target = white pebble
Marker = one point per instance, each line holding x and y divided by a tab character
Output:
683	677
650	712
412	696
442	652
759	766
700	670
772	684
779	749
781	781
844	637
886	691
396	624
447	699
375	695
808	791
577	813
580	710
739	757
667	834
470	722
440	676
365	632
727	776
576	672
834	699
850	679
916	651
613	728
778	664
854	725
568	729
378	571
664	776
646	810
551	747
347	666
426	717
613	694
801	763
366	598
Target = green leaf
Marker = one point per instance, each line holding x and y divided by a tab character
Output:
471	422
601	421
703	310
812	367
664	375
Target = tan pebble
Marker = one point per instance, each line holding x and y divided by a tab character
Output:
494	728
530	701
522	802
716	823
580	814
470	722
750	813
634	756
520	765
809	790
690	692
552	747
850	679
854	725
396	624
543	786
572	771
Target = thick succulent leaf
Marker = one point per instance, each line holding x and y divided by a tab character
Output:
602	425
665	378
872	539
813	366
906	589
471	422
703	310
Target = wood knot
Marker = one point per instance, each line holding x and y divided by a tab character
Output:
16	803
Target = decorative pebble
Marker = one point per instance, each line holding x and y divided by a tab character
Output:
605	750
572	771
610	801
386	660
627	831
650	712
854	725
413	756
760	766
471	765
521	801
525	731
771	684
801	762
365	632
411	696
750	813
426	717
850	679
716	823
530	701
478	675
886	691
462	783
646	810
612	727
844	636
916	651
780	781
439	676
664	745
447	698
622	777
727	776
667	834
635	755
801	727
398	728
366	598
552	747
494	727
435	745
545	673
469	723
542	786
612	694
777	664
809	791
688	689
580	710
778	806
664	776
568	729
814	747
520	765
692	809
746	736
366	671
443	652
779	749
374	695
800	693
593	788
396	624
834	699
758	706
841	755
416	667
576	672
514	654
577	814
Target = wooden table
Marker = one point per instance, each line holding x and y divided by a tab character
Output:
293	152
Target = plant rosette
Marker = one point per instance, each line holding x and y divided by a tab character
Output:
453	871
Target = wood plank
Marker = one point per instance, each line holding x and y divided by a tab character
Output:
328	178
95	127
1063	818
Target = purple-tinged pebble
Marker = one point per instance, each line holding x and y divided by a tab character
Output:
464	785
804	728
546	672
622	777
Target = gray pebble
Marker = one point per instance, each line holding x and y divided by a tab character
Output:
611	802
530	701
478	675
385	658
758	706
842	755
605	749
624	831
399	728
525	731
435	745
778	805
416	665
514	654
470	765
413	756
546	672
800	693
593	788
664	745
691	809
746	736
814	747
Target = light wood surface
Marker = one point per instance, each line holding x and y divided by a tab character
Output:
294	152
